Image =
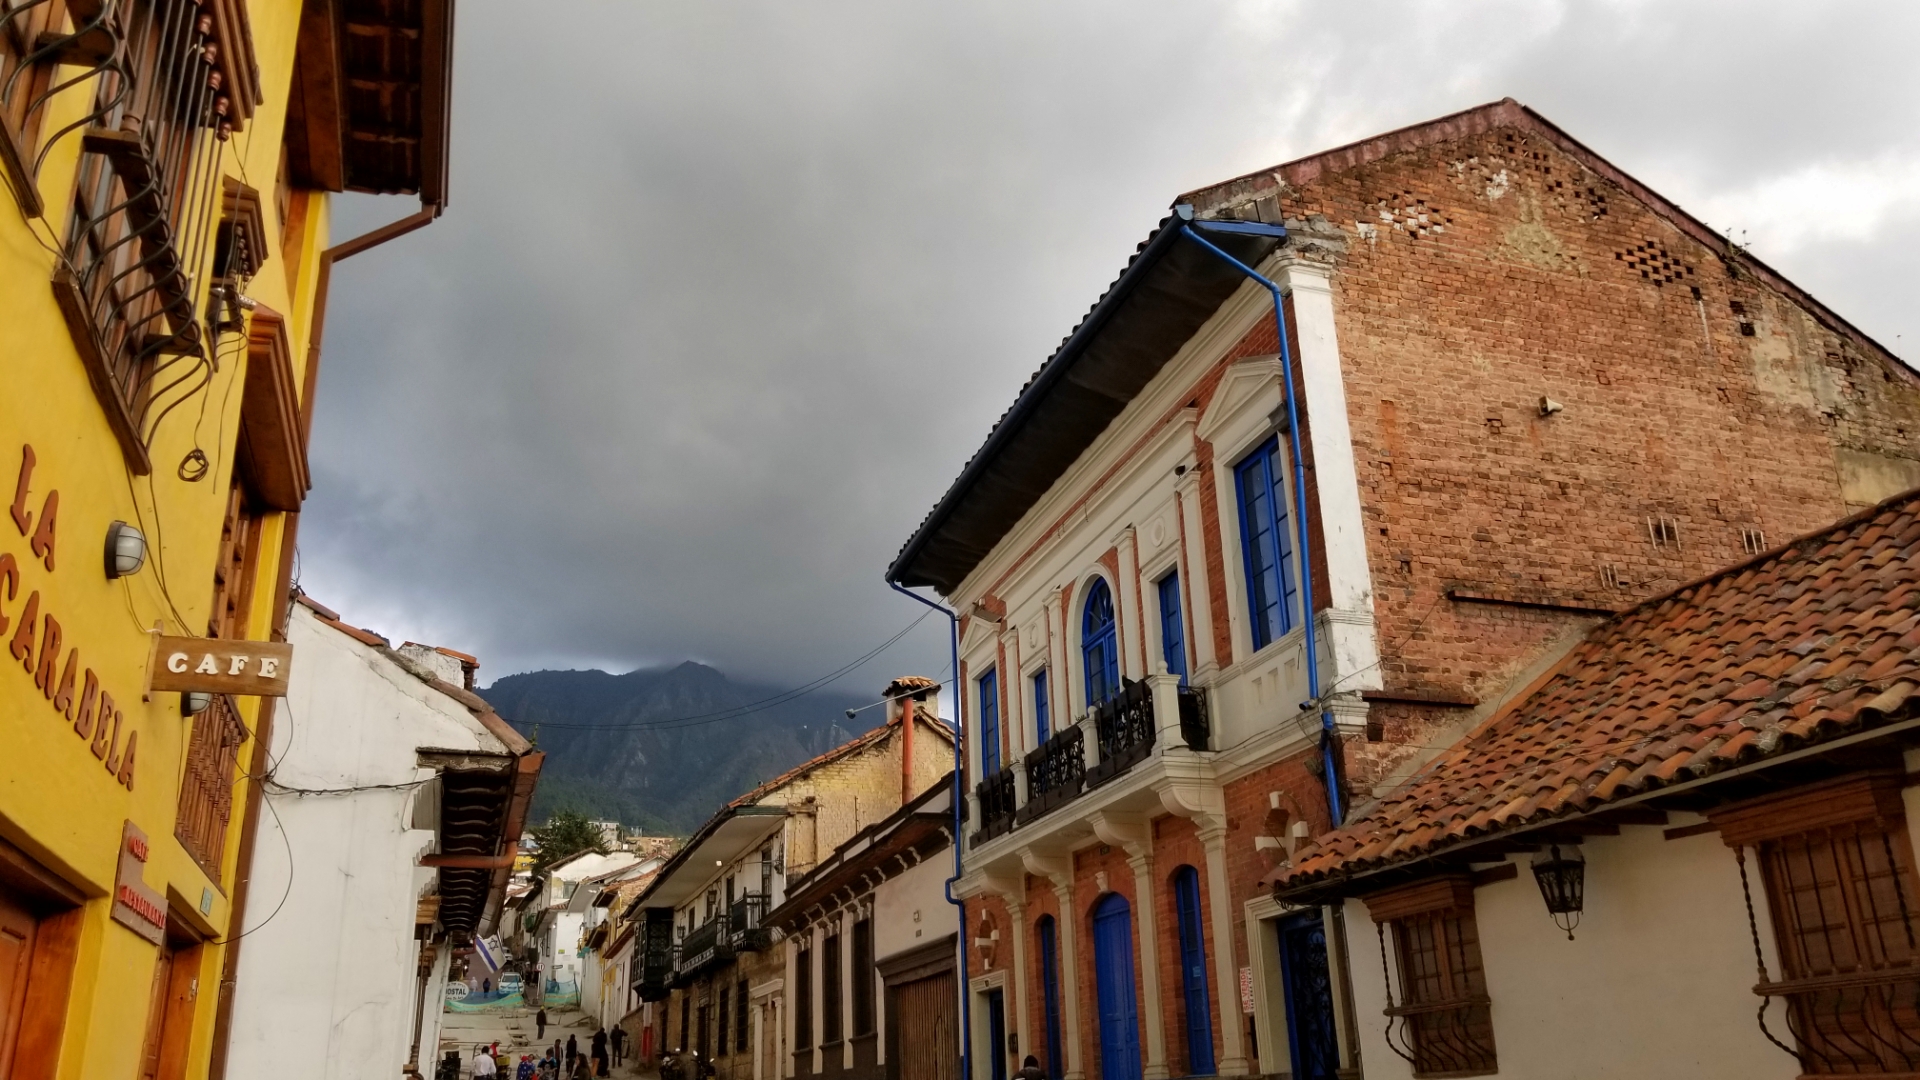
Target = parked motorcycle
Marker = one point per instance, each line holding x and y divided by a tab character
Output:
685	1065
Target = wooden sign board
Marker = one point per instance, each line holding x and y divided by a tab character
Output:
220	666
136	905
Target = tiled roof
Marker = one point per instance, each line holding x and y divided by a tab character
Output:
1814	640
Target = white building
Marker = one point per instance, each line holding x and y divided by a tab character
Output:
395	803
560	933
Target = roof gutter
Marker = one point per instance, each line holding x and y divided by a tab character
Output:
1164	238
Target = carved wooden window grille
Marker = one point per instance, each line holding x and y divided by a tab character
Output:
29	44
1846	915
1443	1024
236	566
206	791
145	212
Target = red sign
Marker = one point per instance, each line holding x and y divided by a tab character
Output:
136	905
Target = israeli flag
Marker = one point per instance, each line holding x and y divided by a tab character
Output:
486	954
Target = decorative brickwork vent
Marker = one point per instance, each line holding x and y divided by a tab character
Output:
1654	263
1663	531
1752	540
1410	214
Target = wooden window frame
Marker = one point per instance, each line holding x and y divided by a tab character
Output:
1837	867
206	787
742	1019
987	686
1266	461
865	1020
29	29
1444	1018
1100	645
833	1020
803	1000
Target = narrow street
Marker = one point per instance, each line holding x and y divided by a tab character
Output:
514	1030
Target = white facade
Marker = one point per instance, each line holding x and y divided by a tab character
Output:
328	974
564	927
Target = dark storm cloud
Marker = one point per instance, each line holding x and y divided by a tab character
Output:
728	292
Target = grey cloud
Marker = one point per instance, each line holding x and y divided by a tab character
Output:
728	292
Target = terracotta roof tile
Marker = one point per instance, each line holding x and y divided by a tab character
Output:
1813	640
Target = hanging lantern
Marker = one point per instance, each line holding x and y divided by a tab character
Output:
1562	883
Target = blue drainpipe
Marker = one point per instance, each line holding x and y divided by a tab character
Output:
1303	544
959	795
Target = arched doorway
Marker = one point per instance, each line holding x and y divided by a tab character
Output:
1113	981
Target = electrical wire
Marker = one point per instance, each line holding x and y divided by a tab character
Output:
738	712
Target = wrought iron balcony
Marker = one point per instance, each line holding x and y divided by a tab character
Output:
1124	726
744	931
709	946
1055	773
1196	726
655	976
1444	1038
996	805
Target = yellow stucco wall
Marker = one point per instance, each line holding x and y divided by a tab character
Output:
56	801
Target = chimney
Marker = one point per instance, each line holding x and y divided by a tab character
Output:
904	695
450	667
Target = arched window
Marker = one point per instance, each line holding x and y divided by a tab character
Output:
1193	970
1098	648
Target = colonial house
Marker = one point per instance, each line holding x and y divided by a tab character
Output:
603	993
405	794
166	247
708	959
872	955
611	952
1352	446
1684	851
559	924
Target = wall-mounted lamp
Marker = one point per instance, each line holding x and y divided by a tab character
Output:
1548	406
193	702
126	550
1562	884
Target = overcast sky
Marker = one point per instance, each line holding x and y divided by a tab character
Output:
729	291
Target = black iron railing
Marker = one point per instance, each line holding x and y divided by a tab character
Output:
1446	1038
706	947
1864	1023
997	807
1124	726
1056	773
1196	725
744	930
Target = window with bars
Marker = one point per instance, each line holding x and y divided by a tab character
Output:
741	1029
831	1029
1443	1022
236	566
863	1011
26	76
146	209
803	1000
206	789
724	1028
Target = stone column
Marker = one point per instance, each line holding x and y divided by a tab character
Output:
1016	914
1128	612
1213	838
1193	578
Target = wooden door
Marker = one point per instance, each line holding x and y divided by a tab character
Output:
170	1014
18	929
927	1013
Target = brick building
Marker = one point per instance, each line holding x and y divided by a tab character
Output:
1530	393
706	958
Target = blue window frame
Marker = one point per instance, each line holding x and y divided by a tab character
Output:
1050	992
1173	630
1098	646
1266	543
1042	712
1193	971
989	685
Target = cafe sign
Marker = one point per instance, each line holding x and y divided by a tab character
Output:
220	666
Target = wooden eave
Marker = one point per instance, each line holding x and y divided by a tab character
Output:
371	94
273	447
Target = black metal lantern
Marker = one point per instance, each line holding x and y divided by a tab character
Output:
1562	883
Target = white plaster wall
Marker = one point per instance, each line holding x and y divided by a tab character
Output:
326	982
1658	981
912	909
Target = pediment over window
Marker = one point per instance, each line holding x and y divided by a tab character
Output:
1251	391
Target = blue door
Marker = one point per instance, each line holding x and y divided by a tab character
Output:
1303	969
1173	629
1193	971
996	1035
1050	993
1113	978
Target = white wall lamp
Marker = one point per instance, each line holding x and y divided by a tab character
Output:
126	550
193	702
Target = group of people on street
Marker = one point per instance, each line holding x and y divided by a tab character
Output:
604	1051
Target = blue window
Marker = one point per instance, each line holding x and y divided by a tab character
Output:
989	685
1042	714
1098	647
1266	543
1173	631
1193	971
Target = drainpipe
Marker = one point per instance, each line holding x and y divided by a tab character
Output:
1328	738
959	800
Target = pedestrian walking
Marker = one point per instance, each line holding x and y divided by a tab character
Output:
540	1025
1030	1070
483	1065
486	986
619	1040
580	1070
573	1051
600	1052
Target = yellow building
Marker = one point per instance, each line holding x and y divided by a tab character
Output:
164	258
